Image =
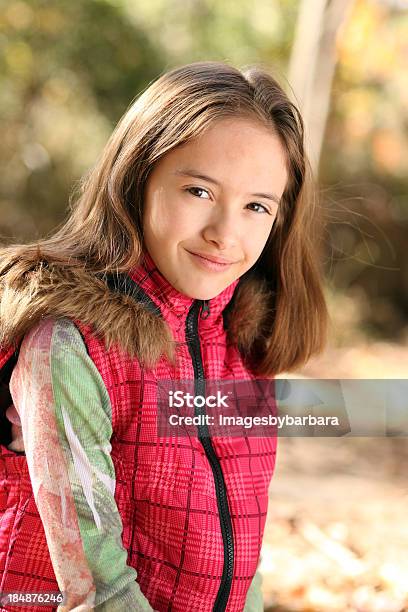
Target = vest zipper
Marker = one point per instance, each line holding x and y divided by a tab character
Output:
204	437
205	310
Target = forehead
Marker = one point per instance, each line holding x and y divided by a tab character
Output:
233	150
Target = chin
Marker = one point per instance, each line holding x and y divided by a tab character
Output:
201	294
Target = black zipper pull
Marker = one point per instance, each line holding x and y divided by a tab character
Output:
205	309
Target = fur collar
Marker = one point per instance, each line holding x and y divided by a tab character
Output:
30	292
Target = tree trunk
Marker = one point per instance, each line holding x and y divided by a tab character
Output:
312	65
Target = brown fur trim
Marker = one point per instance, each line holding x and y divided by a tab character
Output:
28	295
32	290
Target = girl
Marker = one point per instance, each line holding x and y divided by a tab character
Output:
188	256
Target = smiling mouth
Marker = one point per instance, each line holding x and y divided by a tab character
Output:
213	259
209	263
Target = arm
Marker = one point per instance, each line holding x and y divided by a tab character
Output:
254	599
65	416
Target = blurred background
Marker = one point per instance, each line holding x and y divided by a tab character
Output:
337	534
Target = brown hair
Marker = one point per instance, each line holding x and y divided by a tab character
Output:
278	315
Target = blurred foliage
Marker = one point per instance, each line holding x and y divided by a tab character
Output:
364	167
69	70
241	32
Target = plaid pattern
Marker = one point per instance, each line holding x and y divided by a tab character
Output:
165	488
65	413
21	528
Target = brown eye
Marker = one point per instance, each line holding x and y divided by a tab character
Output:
199	189
264	209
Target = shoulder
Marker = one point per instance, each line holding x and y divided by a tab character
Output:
54	351
52	348
56	346
54	335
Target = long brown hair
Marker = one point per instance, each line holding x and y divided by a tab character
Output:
278	315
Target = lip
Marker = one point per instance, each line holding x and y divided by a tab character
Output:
210	262
217	260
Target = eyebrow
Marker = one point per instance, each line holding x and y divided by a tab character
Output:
204	177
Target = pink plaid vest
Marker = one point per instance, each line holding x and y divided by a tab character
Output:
193	508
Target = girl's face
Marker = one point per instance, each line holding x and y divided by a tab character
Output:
209	205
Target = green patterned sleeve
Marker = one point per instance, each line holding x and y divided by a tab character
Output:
66	421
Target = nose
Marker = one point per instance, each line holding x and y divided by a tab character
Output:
222	231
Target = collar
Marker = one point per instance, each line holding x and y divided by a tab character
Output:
170	301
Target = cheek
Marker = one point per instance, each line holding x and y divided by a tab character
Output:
157	219
167	223
255	240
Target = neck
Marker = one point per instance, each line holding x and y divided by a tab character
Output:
172	302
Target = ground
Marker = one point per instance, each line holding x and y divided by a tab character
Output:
336	537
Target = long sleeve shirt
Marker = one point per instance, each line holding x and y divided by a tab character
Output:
62	412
